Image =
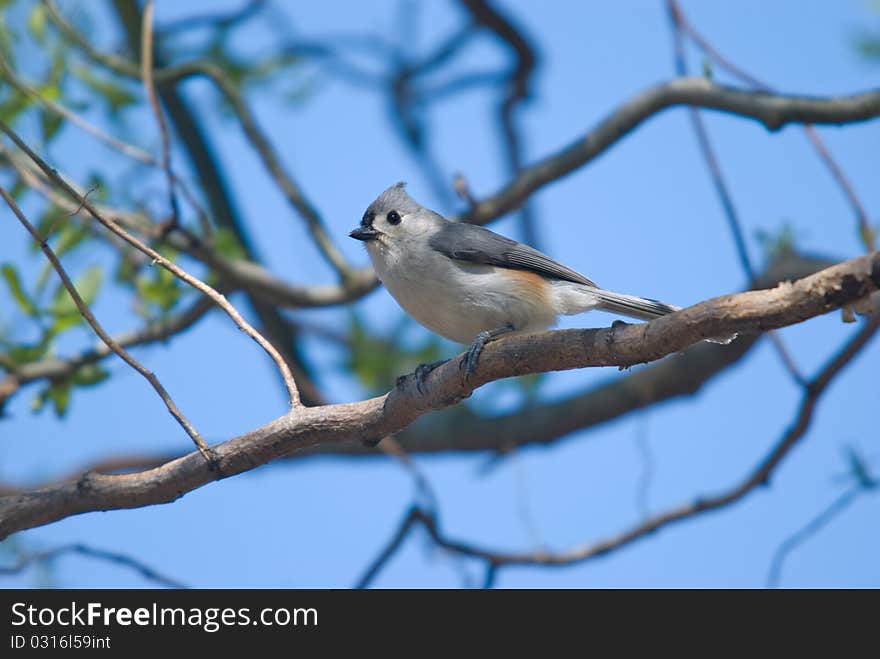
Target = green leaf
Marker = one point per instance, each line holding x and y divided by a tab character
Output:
69	236
707	68
377	362
114	95
37	23
10	274
869	47
58	394
7	37
50	124
26	354
227	244
64	309
779	244
126	270
868	234
89	375
49	222
14	105
160	288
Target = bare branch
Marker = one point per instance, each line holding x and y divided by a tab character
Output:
239	273
396	542
218	298
111	141
148	573
253	132
99	330
867	234
812	527
129	150
773	110
519	90
153	97
282	178
722	189
754	311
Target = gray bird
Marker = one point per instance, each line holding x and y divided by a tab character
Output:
469	284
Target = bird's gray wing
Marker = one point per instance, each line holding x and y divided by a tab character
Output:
467	242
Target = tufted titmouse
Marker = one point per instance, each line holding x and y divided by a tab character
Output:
469	284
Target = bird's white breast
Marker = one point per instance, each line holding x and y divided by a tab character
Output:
458	300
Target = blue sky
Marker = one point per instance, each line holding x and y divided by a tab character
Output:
641	219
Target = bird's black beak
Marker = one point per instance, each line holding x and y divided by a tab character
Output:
364	233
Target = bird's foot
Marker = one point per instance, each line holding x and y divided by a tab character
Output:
610	337
422	371
473	354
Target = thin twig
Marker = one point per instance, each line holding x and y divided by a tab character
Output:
408	105
256	136
812	527
153	97
425	495
174	269
130	150
490	576
238	272
111	141
646	476
723	190
518	91
144	570
99	330
395	543
865	231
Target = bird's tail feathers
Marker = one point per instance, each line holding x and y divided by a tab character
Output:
632	306
643	309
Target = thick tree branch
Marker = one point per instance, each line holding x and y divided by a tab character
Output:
773	110
844	284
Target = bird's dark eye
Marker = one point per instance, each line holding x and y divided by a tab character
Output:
393	217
